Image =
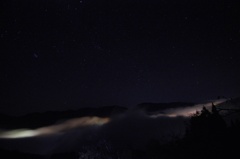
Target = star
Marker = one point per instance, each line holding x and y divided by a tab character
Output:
35	55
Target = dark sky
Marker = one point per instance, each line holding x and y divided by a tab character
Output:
61	54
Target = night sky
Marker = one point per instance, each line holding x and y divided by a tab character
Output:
62	54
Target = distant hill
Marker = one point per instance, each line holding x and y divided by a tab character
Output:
158	107
230	110
35	120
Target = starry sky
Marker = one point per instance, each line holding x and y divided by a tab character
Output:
61	54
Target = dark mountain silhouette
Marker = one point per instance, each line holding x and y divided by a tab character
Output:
39	119
158	107
207	135
35	120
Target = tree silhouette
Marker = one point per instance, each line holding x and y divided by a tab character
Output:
206	123
217	122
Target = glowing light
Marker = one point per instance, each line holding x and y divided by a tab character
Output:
186	111
18	133
53	129
96	121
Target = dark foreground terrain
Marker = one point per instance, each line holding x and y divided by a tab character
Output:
207	136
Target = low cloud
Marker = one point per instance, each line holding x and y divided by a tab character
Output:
133	129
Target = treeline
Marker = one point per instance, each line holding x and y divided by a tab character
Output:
207	136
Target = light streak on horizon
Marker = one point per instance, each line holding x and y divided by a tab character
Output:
97	121
54	129
187	111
